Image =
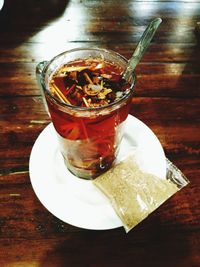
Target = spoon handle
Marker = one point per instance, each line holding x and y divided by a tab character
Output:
141	47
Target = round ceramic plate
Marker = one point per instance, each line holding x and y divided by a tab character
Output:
77	201
1	4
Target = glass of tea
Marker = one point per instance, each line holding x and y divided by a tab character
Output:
88	102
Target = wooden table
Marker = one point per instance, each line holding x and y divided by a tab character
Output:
166	99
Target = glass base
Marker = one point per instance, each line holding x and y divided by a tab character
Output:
88	174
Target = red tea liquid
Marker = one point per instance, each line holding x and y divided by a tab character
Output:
90	127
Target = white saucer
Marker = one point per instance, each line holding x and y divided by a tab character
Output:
1	4
77	201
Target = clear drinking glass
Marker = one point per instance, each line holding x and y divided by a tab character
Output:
88	138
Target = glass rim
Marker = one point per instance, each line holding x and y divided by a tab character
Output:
78	108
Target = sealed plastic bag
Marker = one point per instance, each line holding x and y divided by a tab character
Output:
135	194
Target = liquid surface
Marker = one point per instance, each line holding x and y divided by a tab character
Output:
89	83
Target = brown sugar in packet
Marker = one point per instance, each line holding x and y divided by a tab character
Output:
133	193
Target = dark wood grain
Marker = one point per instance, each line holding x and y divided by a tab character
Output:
166	98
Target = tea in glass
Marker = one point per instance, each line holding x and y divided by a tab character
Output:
88	102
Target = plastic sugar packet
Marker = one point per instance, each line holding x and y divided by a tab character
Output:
135	194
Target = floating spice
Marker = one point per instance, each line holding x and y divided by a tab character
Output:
59	94
88	83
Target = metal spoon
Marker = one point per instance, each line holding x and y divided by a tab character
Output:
141	47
